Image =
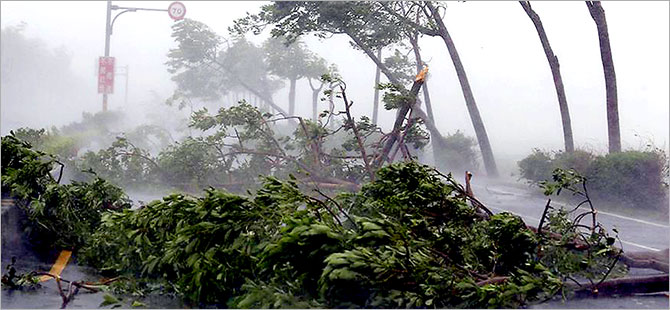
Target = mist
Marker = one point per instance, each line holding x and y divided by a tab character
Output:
497	43
410	154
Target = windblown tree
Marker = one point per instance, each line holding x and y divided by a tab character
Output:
375	104
364	23
316	68
613	132
374	24
412	34
292	61
206	66
439	154
477	122
414	40
556	73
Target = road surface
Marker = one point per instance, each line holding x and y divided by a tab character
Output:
636	234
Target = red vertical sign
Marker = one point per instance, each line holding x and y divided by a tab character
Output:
106	75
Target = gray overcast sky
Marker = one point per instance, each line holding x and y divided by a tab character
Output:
497	43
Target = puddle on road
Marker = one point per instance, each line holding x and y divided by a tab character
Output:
47	296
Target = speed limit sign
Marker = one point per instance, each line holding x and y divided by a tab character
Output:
177	10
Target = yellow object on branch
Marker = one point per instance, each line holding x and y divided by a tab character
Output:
59	265
422	75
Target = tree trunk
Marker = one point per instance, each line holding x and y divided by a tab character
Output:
477	123
402	113
623	286
315	100
419	66
291	98
556	73
434	141
613	131
378	71
389	75
435	137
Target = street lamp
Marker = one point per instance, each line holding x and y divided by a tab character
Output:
176	10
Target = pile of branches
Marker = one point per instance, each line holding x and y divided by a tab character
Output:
60	216
411	238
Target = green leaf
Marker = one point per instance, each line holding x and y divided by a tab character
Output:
108	300
137	304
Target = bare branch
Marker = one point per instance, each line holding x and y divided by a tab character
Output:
354	128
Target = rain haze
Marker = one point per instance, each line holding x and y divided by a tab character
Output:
497	43
335	154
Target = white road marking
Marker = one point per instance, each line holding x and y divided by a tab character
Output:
500	192
619	216
640	246
622	241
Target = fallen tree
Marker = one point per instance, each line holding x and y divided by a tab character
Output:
410	238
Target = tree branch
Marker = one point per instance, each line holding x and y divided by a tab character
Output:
400	118
354	128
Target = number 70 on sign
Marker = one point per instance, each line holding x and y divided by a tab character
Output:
176	10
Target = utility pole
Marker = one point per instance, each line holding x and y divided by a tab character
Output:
108	33
124	73
125	100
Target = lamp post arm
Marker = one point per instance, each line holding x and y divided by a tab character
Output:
108	33
111	27
114	7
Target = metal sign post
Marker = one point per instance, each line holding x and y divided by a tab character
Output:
176	11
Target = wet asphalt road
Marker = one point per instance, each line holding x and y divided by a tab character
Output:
636	233
14	244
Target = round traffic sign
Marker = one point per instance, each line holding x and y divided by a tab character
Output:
176	10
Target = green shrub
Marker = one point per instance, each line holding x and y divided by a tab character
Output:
637	178
536	166
457	152
579	160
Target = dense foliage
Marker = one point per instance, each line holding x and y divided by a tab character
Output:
410	238
407	239
60	216
636	178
